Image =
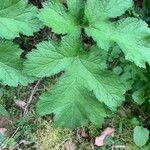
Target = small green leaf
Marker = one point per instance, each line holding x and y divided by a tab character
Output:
140	135
135	121
138	96
108	141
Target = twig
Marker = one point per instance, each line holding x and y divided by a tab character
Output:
92	145
26	108
17	145
118	146
31	97
15	132
67	139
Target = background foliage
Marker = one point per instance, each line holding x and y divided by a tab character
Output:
86	62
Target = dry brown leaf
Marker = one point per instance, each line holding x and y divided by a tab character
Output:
109	131
99	141
3	121
3	130
20	104
84	134
69	145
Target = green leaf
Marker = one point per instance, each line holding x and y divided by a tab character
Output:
17	16
145	147
129	33
135	121
87	67
138	96
107	87
98	10
56	16
76	9
140	136
147	5
71	103
50	58
3	111
11	65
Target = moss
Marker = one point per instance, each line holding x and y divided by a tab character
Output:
123	133
48	137
92	130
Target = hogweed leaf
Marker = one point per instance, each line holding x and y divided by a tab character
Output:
76	9
86	71
57	17
17	16
129	33
11	65
99	10
50	58
71	103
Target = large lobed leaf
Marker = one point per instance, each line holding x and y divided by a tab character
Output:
86	86
56	16
83	72
100	10
17	16
129	33
11	65
71	103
